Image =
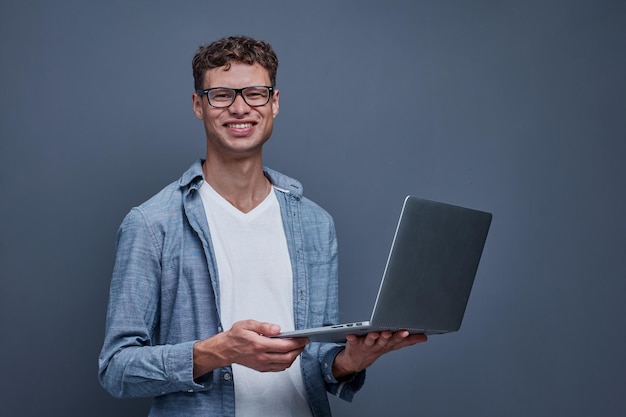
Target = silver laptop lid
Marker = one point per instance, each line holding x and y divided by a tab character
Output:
431	267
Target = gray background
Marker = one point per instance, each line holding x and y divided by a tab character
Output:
512	107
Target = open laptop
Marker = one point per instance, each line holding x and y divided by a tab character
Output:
429	274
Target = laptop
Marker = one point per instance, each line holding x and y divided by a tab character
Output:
429	273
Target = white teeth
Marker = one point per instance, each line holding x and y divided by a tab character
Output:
240	125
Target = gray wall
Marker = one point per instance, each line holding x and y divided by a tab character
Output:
512	107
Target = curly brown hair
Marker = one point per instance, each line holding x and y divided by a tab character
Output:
223	52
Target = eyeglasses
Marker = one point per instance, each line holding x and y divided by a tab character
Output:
223	97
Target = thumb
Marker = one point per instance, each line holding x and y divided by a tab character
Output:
269	329
264	328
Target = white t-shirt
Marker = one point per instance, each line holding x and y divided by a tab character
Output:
255	279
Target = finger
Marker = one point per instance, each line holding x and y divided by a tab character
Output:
275	367
418	338
388	341
284	345
371	338
386	336
270	355
407	339
272	367
412	338
281	361
290	346
381	341
399	336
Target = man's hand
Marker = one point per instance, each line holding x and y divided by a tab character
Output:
246	344
361	352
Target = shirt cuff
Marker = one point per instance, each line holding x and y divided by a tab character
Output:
346	388
180	368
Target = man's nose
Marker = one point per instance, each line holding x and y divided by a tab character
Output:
239	105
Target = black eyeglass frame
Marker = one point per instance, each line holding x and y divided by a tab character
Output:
238	91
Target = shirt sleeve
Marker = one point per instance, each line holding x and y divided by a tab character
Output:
129	364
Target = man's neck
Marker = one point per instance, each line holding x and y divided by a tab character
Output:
242	183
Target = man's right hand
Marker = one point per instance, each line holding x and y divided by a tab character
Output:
246	344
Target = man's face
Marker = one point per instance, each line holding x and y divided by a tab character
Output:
238	130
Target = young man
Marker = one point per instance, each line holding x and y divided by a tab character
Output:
231	253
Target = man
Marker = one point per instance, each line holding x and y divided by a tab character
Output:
229	254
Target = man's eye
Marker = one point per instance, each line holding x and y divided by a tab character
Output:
256	93
221	95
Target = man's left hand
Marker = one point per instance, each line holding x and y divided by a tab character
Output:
362	351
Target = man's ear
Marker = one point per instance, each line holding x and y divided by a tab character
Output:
275	101
196	102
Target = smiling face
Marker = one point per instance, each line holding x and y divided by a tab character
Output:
238	131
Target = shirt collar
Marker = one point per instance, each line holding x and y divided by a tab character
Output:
194	177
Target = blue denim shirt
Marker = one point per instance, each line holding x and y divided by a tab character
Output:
165	296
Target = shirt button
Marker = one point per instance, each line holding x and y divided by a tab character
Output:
227	377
